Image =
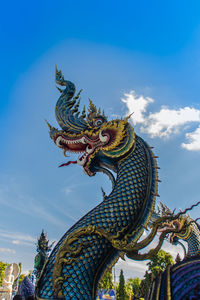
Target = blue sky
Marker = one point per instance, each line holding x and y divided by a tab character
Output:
110	49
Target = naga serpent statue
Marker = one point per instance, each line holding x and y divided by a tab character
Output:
81	257
182	280
43	249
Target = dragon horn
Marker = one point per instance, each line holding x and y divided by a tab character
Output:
50	127
128	117
56	69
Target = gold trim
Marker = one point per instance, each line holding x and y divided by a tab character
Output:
186	234
152	290
168	283
158	288
67	248
187	263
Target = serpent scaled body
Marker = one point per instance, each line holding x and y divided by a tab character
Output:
80	258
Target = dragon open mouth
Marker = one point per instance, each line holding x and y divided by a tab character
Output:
84	145
173	225
91	134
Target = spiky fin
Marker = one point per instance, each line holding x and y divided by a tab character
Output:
76	107
103	193
92	108
92	111
83	115
165	210
78	95
50	127
59	77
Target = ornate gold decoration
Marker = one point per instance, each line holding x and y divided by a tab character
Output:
158	288
168	283
184	264
68	248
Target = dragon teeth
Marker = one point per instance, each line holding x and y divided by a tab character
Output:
88	150
58	141
83	140
65	141
81	160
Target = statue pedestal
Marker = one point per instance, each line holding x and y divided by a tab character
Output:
5	294
11	273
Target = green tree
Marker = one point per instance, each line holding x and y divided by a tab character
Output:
133	284
157	264
146	283
121	292
106	283
21	278
2	271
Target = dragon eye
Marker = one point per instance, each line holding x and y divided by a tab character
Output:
98	122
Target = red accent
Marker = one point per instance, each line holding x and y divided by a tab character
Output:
68	163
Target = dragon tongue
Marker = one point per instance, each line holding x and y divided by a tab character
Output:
68	163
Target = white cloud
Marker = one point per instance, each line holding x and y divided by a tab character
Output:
165	122
134	268
194	140
137	105
7	250
174	250
22	243
16	242
131	268
17	237
167	247
168	121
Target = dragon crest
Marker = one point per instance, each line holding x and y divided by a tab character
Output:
91	135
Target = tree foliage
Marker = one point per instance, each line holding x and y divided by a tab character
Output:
21	278
2	271
157	264
106	283
133	286
121	292
146	283
124	289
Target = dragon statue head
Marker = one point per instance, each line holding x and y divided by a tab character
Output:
99	141
181	225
